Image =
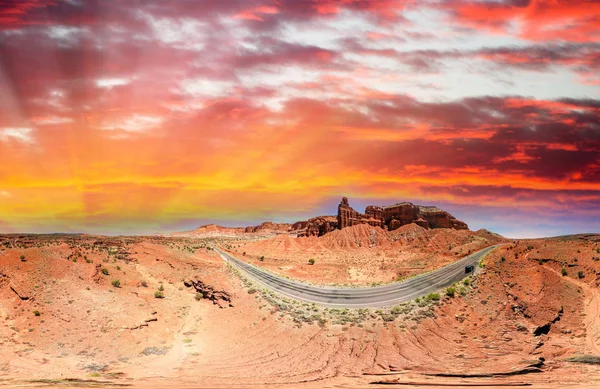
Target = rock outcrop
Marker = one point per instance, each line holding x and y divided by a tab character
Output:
395	216
348	217
315	226
271	227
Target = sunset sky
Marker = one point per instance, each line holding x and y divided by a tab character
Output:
155	116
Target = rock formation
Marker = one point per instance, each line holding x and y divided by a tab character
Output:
347	216
395	216
315	226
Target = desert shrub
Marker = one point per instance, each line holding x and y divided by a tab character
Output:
580	274
104	271
144	284
462	291
22	258
311	261
244	254
502	259
516	255
161	288
187	340
159	294
116	283
530	247
251	291
450	291
388	317
521	327
432	297
467	281
36	313
563	271
199	296
118	267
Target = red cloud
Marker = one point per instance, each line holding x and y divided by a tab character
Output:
538	20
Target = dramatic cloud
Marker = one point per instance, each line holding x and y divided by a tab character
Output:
141	116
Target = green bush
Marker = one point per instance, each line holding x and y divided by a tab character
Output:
199	296
116	283
450	291
432	297
161	288
22	258
311	261
159	294
563	271
580	274
36	313
105	271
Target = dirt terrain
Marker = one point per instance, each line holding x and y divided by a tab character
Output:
532	306
362	254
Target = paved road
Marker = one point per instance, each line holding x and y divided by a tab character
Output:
379	296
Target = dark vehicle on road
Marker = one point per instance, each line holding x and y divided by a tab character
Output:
469	269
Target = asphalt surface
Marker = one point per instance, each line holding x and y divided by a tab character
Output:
379	296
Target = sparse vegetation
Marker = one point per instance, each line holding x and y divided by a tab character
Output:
105	271
22	258
311	261
262	258
116	283
159	294
161	288
563	271
36	313
450	291
580	274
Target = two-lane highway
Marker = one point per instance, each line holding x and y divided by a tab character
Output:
379	296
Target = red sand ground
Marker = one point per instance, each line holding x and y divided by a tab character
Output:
363	254
89	329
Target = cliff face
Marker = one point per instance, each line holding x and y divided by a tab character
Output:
395	216
316	226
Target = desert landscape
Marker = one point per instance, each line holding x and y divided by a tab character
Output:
168	310
300	193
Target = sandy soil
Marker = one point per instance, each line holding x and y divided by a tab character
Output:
518	310
363	255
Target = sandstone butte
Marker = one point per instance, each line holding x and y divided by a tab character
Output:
389	217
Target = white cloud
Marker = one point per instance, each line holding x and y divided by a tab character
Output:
181	33
134	123
67	35
109	83
51	120
20	134
205	87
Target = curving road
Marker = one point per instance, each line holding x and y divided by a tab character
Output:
379	296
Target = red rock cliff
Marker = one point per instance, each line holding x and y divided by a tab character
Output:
395	216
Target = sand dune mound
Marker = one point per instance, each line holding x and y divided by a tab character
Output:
410	232
358	236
